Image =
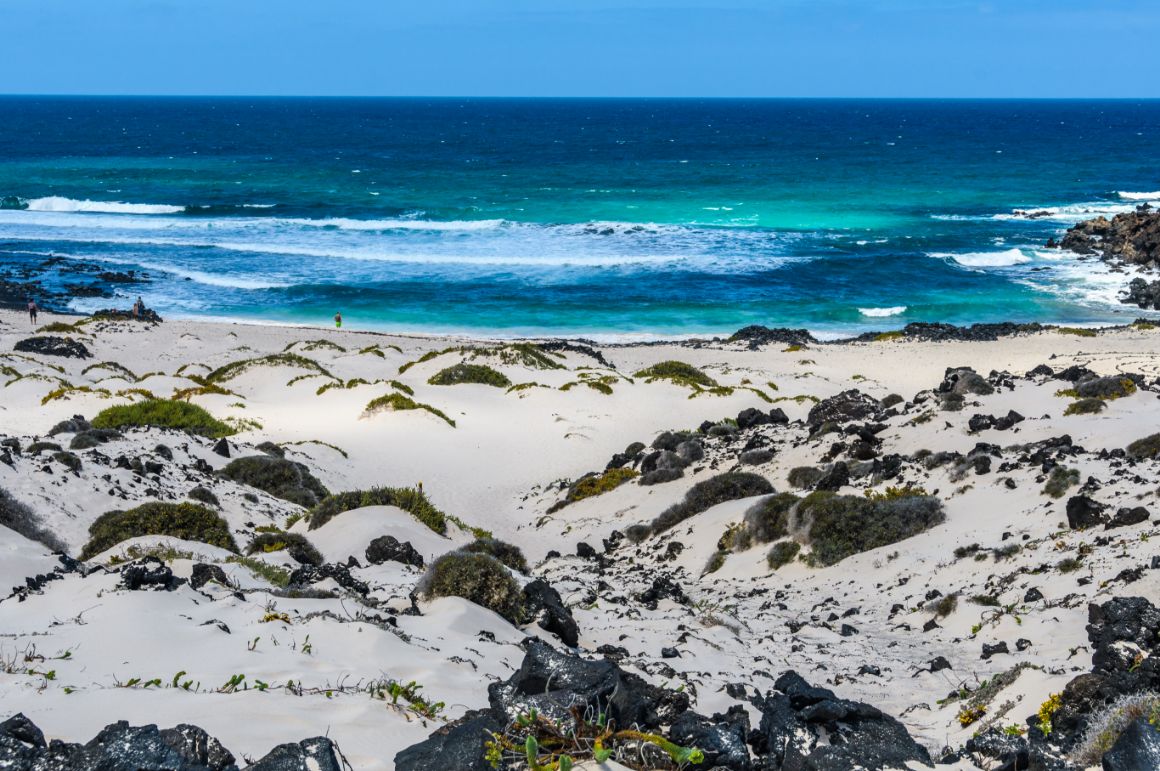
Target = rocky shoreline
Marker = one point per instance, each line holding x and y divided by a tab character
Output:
1130	239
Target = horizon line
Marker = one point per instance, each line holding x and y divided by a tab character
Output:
579	97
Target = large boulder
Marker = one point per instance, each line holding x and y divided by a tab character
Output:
1083	512
842	408
552	683
543	604
51	345
459	746
810	728
387	548
1137	748
316	754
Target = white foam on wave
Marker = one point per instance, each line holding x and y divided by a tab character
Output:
197	276
1002	259
71	205
1139	196
883	312
346	223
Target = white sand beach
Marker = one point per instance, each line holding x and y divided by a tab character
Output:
309	660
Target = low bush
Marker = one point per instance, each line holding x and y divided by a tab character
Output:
841	526
236	368
480	374
783	553
768	520
17	517
162	413
203	495
1148	447
408	499
677	372
704	495
1060	480
1086	407
187	521
294	544
1069	564
397	402
804	477
945	605
508	554
596	484
478	578
279	477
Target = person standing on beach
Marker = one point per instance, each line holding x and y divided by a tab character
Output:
32	310
338	320
138	308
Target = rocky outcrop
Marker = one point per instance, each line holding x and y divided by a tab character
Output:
1131	237
51	345
387	548
147	748
756	336
1143	294
807	727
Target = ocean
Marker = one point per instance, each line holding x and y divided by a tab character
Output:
625	218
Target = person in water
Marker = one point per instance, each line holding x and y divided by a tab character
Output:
338	320
32	310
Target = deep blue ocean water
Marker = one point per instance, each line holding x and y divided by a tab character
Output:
584	217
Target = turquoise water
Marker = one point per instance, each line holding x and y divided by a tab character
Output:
586	217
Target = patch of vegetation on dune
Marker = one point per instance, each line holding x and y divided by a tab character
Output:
313	345
678	373
409	499
478	578
19	518
70	391
235	368
187	521
508	554
595	484
379	350
1077	331
279	477
463	373
1148	447
294	544
395	402
527	355
1086	407
160	413
117	370
708	493
839	526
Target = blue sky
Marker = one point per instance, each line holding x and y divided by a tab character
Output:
908	48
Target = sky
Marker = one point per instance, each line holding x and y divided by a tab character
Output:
724	48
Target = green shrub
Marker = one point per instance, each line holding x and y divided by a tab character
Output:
508	554
203	495
1077	331
1060	480
707	494
463	372
68	460
161	413
294	544
804	477
275	574
783	553
187	521
678	372
966	551
478	578
279	477
38	447
1148	447
768	520
840	526
398	401
408	499
17	517
596	484
716	562
1069	564
1086	407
